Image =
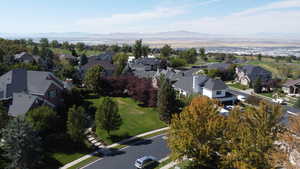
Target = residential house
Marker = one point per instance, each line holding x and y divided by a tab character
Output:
107	56
108	67
219	66
217	89
24	57
248	74
291	87
171	74
188	85
24	90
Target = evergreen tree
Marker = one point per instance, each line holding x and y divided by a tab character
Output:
44	42
35	50
259	56
107	116
76	123
138	49
83	59
21	146
166	102
165	51
257	86
3	116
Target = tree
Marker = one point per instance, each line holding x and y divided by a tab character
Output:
35	50
83	59
92	79
80	46
257	86
30	42
166	102
178	62
107	116
120	60
21	146
138	49
145	50
203	54
259	56
65	45
3	116
76	123
42	118
196	133
54	44
165	51
44	42
297	103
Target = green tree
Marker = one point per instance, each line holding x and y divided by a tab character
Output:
166	51
189	55
3	116
44	42
30	42
257	86
120	59
42	118
166	101
65	45
145	50
178	62
107	116
76	123
297	103
93	79
203	54
80	46
54	44
83	59
21	146
259	56
196	133
138	49
35	50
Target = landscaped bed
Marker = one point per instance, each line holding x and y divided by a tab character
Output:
136	120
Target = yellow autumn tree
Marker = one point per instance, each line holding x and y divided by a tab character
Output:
196	133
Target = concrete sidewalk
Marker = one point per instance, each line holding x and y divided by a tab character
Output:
111	146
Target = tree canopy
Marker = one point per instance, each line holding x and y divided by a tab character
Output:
42	118
93	79
76	124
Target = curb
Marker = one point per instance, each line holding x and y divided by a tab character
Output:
110	146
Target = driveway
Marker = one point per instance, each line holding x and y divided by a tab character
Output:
125	158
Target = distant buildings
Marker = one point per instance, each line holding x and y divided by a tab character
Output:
291	87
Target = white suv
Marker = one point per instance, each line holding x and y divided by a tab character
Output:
145	162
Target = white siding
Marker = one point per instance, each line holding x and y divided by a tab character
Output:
213	94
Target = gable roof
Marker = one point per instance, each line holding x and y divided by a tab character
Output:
215	84
253	72
93	61
292	83
107	56
186	82
21	103
219	66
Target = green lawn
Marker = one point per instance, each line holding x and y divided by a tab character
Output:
270	95
136	120
238	86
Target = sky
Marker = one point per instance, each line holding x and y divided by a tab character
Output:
149	16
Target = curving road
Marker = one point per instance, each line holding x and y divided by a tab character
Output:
125	158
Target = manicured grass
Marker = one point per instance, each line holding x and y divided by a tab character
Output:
270	95
167	161
136	120
238	86
184	164
85	162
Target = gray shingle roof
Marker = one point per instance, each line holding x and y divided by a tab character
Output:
21	103
186	83
253	72
215	84
219	66
292	83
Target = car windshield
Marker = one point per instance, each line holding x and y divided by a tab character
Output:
139	162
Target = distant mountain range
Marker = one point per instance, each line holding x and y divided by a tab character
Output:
163	37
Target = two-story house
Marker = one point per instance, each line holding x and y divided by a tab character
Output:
248	74
24	90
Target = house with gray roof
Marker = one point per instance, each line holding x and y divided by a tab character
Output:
25	89
219	66
24	57
291	87
248	74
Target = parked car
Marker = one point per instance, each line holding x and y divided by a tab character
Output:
145	162
228	107
241	98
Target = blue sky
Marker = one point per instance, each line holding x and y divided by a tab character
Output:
108	16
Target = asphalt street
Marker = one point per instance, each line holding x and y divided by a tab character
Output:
125	158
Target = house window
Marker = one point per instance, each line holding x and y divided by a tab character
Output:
52	94
218	92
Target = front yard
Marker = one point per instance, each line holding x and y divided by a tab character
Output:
238	86
136	120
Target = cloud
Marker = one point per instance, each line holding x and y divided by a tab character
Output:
284	4
127	18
